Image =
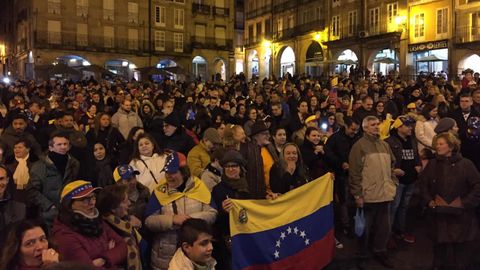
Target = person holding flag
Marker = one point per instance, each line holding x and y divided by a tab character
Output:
176	199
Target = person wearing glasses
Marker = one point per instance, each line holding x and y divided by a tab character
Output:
80	232
232	186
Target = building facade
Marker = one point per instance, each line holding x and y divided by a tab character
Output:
404	37
123	35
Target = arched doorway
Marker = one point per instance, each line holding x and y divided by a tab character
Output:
384	62
164	63
199	66
345	61
469	62
287	62
314	59
253	66
220	70
123	67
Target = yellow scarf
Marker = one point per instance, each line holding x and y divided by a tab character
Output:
198	192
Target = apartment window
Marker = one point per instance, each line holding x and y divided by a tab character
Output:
109	10
220	3
318	13
132	12
268	28
179	18
392	12
374	20
200	32
259	29
419	25
335	3
280	25
108	36
352	22
54	29
160	40
160	16
442	21
220	35
475	23
133	39
291	22
82	34
178	42
82	8
54	6
335	26
305	17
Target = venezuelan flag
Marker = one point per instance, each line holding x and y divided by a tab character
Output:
294	231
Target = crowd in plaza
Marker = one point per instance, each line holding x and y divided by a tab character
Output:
140	175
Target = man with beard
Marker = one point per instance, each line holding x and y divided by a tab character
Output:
15	131
125	119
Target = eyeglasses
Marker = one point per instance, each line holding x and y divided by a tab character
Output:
88	199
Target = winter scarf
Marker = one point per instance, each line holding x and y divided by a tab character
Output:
132	238
89	226
21	175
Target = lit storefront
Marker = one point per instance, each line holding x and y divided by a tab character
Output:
429	56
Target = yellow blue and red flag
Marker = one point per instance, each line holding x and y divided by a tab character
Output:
294	231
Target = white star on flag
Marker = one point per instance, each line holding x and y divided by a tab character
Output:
289	230
295	230
282	235
307	242
278	243
302	234
276	254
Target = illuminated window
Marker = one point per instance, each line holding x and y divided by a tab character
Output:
392	12
419	25
442	21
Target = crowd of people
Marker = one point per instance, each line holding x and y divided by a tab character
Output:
130	175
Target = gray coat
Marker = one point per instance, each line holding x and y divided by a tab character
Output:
126	121
46	184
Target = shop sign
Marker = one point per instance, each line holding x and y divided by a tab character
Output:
432	45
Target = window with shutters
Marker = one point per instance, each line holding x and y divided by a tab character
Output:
132	12
352	23
133	39
54	6
374	20
54	29
160	40
108	36
419	25
392	12
82	34
442	21
335	27
109	10
220	35
160	16
178	42
200	30
178	18
82	8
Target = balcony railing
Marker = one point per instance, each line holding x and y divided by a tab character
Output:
221	11
352	31
109	14
258	12
201	9
212	43
251	41
284	6
466	34
53	7
98	43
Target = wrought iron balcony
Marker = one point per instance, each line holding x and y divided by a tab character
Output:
212	43
467	34
201	9
258	12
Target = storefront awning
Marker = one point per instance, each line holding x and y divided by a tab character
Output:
385	60
431	58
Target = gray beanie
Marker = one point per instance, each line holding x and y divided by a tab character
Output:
444	125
